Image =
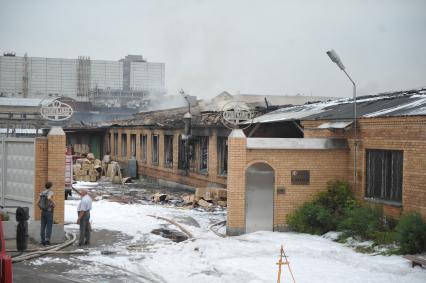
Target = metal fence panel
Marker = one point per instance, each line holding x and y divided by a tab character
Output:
17	173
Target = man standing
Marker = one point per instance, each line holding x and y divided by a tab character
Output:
46	203
83	211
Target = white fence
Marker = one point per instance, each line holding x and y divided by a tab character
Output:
17	173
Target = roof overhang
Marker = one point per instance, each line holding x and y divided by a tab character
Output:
296	143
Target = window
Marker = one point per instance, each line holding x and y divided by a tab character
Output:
181	153
168	151
143	147
133	145
115	153
204	154
384	175
123	145
155	149
222	155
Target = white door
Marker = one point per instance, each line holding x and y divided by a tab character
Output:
260	184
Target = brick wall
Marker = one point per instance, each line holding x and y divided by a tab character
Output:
159	171
391	133
56	169
40	171
324	166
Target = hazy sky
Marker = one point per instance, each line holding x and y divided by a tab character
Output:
261	47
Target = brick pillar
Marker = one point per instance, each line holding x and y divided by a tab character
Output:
138	146
237	143
213	156
56	169
119	149
112	153
129	144
176	150
40	171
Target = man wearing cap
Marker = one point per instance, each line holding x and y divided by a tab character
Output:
83	211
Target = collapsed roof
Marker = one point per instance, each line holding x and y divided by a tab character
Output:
392	104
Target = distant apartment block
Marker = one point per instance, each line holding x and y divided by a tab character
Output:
81	79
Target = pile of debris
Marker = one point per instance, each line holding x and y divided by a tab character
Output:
87	169
203	197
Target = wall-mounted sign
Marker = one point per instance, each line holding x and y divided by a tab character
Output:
236	114
300	177
56	111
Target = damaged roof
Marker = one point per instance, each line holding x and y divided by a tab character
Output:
393	104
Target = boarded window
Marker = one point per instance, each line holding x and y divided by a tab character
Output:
123	145
168	151
155	149
204	154
143	147
222	155
384	174
133	145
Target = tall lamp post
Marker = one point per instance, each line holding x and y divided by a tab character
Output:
335	58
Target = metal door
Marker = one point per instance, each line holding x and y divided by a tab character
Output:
260	184
17	167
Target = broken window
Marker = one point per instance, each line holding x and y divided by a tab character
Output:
168	151
155	139
181	153
222	155
204	154
115	153
133	145
143	147
123	145
384	174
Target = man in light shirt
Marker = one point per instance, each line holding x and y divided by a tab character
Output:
83	210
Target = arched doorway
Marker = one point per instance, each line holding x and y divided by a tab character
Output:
260	184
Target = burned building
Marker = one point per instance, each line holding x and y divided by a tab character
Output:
382	154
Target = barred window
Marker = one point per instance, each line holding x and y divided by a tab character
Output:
204	154
133	145
384	174
222	155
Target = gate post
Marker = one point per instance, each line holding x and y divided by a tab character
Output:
40	171
237	143
56	169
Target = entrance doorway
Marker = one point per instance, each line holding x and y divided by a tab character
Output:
260	184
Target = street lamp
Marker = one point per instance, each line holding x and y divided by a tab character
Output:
336	59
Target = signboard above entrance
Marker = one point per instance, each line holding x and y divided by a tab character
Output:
56	111
237	115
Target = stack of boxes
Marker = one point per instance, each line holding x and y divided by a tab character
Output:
85	170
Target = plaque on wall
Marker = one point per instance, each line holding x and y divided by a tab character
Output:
300	177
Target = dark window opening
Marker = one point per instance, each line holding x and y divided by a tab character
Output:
123	145
168	151
133	145
204	154
181	154
384	174
143	147
115	153
222	155
155	139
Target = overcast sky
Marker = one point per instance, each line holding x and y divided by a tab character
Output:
259	47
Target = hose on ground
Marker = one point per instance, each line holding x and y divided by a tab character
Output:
174	223
49	250
220	223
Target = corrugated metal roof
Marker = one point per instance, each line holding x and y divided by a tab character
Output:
24	102
402	103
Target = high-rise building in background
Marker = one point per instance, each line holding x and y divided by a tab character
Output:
127	82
